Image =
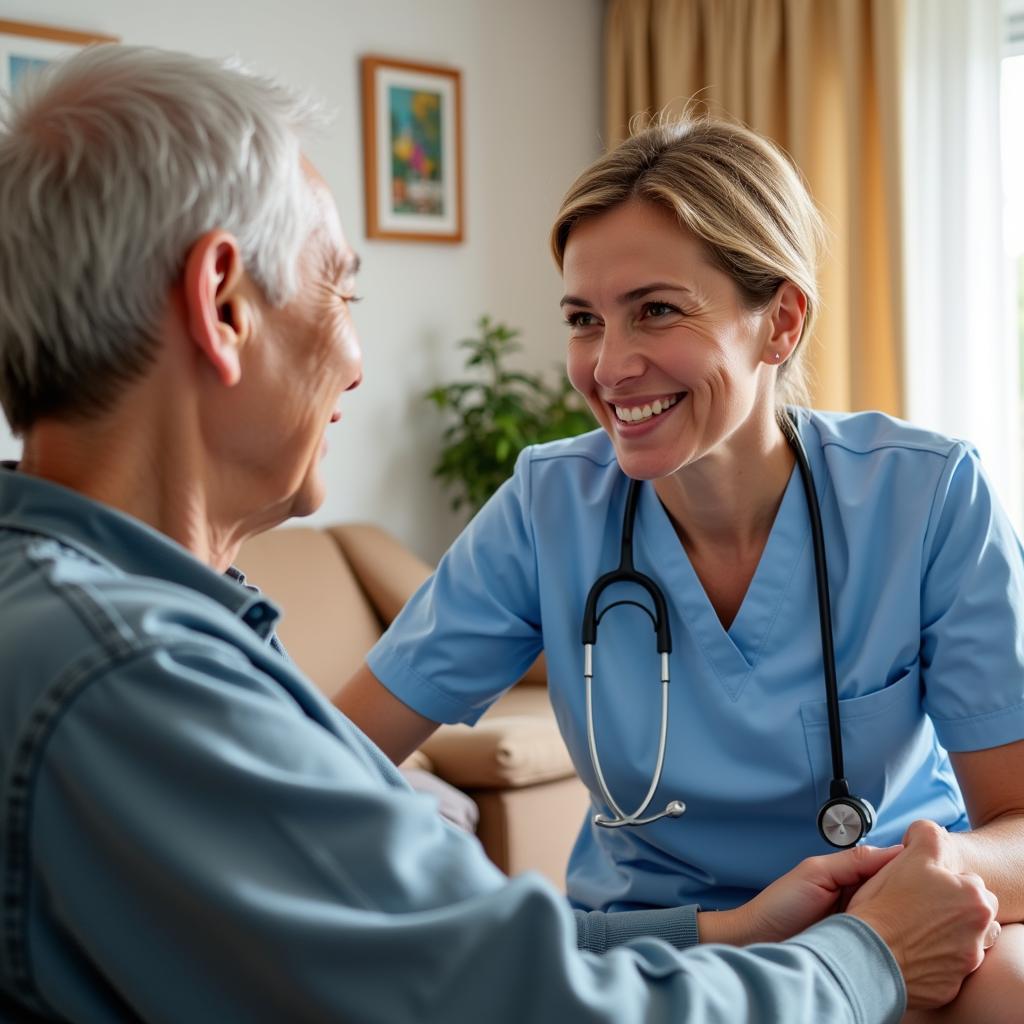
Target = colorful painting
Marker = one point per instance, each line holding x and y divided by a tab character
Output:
417	162
25	48
19	66
412	151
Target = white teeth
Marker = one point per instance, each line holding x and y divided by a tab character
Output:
637	413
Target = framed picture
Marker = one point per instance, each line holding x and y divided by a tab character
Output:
412	144
25	47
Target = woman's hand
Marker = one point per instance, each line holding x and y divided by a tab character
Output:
811	891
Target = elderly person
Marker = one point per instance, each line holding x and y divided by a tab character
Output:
814	700
190	832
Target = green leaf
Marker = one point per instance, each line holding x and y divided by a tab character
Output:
495	412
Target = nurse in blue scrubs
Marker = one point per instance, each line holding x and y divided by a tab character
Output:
689	258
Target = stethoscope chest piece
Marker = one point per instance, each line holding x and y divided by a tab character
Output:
844	821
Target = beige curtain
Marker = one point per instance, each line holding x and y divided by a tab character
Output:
820	78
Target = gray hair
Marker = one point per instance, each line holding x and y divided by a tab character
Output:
112	164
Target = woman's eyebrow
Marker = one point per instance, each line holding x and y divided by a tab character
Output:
632	295
657	286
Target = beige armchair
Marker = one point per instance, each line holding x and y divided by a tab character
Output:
339	588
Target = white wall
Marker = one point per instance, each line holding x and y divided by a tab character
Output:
531	111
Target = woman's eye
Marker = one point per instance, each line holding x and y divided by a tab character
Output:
658	309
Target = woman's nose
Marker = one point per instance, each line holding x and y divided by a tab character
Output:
618	359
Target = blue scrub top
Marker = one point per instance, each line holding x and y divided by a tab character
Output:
926	582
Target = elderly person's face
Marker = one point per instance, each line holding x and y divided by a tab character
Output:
661	344
301	359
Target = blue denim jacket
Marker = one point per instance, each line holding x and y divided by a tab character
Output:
191	832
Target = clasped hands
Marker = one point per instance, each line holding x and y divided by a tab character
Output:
937	920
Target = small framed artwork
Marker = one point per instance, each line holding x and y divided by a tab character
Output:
412	145
25	47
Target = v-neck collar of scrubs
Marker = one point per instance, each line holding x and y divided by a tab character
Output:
733	653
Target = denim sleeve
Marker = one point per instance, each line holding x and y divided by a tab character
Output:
202	850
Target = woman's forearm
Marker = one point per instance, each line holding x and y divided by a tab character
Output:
995	851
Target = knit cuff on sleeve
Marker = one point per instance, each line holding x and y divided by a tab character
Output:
597	931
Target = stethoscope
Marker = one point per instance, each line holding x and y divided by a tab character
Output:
844	819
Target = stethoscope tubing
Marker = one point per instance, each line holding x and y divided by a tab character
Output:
838	785
622	817
627	573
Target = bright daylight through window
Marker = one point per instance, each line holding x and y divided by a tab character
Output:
1012	131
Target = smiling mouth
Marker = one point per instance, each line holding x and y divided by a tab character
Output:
647	411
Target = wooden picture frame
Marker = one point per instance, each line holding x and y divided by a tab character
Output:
25	46
412	150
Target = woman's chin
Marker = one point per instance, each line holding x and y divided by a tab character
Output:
640	467
657	466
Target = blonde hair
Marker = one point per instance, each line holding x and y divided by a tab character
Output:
735	191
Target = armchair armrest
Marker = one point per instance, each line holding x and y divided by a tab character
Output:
386	569
503	752
389	574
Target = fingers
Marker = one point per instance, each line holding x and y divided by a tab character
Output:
937	921
990	927
849	867
926	838
991	935
987	896
991	898
868	860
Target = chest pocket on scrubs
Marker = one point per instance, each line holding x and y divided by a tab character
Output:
886	737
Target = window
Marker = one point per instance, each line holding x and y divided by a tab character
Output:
1012	138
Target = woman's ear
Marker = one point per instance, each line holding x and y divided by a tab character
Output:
787	313
218	311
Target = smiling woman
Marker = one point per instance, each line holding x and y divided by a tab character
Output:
758	229
655	323
689	256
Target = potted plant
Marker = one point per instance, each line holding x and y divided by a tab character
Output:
496	413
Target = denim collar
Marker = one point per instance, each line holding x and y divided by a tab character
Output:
108	537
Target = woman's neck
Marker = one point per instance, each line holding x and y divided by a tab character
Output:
728	500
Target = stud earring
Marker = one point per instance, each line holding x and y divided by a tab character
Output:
778	356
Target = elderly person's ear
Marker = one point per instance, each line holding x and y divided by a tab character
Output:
219	318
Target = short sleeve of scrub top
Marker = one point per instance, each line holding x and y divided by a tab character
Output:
927	590
972	599
474	627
